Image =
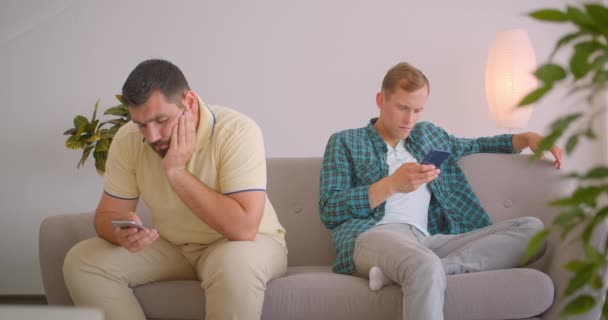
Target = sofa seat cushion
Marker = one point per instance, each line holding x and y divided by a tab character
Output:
318	293
501	294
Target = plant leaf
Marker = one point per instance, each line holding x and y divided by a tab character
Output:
597	173
600	61
550	73
575	265
565	40
563	123
566	229
600	77
579	305
74	143
95	110
119	98
593	254
100	162
94	137
85	155
535	95
70	131
590	134
550	15
580	18
579	64
571	144
583	195
102	145
597	283
537	242
80	123
566	217
599	14
119	110
581	278
598	217
589	46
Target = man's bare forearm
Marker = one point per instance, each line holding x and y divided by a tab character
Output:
520	141
379	191
220	212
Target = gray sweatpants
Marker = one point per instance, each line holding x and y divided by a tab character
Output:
420	263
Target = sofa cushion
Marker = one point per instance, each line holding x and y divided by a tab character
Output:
318	293
500	294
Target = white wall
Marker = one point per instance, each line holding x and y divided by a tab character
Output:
302	69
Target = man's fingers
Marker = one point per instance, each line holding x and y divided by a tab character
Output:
181	130
145	238
426	167
190	132
557	154
427	176
174	143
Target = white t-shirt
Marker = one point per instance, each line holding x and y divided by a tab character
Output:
412	207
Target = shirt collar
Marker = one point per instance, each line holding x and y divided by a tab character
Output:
400	147
206	124
376	139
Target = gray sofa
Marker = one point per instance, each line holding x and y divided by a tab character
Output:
508	186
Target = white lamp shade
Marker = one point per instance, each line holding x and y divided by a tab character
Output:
509	77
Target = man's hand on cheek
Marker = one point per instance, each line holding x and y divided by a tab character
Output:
181	148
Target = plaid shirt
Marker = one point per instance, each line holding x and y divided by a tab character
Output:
356	158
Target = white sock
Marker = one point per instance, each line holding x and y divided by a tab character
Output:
377	280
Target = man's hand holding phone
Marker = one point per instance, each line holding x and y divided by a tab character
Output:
410	176
132	235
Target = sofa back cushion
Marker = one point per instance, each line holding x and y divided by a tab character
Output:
293	190
508	186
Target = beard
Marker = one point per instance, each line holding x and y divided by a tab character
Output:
161	147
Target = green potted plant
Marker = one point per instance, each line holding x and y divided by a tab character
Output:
585	75
91	136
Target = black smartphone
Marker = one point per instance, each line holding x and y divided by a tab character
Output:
436	157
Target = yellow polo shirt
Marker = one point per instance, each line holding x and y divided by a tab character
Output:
229	158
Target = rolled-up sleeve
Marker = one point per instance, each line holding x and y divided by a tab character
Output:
496	144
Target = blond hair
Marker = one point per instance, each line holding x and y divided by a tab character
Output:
406	76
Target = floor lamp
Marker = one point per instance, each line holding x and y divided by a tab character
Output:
509	77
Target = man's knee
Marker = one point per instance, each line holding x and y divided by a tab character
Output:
89	258
233	268
83	251
423	268
530	225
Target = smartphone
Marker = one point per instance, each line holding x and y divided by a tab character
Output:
436	157
127	224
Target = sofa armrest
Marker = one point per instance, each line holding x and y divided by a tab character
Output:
558	254
58	234
510	186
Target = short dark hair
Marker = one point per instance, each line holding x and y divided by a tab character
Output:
406	77
152	75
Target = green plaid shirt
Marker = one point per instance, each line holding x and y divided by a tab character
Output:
356	158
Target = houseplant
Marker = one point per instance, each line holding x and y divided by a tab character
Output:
91	136
585	75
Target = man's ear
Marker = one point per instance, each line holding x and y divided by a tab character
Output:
380	99
190	100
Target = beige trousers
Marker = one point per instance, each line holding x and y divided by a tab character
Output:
233	274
